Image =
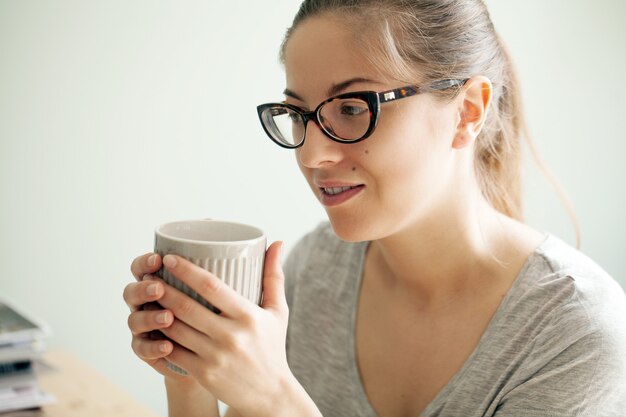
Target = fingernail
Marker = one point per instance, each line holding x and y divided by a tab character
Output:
152	289
163	347
169	261
152	260
163	318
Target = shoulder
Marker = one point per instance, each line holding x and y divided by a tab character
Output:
560	338
571	306
566	322
575	283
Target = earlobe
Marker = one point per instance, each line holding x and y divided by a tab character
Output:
475	97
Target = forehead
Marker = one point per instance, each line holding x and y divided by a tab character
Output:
319	54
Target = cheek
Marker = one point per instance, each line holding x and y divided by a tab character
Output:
406	174
401	150
409	159
306	172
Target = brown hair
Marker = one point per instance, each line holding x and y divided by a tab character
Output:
422	41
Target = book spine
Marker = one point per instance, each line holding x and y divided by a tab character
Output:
14	367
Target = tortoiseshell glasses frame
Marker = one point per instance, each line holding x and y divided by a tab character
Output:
267	113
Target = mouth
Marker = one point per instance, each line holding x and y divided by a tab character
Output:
333	196
337	190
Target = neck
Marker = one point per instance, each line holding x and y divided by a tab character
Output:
441	260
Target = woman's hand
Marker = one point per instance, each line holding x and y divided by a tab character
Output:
238	355
186	397
148	317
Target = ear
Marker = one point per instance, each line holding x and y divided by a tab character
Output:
473	108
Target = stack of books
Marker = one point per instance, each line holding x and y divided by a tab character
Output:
21	347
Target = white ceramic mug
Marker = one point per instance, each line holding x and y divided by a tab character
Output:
234	252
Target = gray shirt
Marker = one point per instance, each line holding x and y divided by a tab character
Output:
556	345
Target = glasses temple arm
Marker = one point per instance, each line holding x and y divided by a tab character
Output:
408	91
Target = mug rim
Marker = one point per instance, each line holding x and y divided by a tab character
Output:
254	229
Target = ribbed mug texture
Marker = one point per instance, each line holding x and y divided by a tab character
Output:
238	262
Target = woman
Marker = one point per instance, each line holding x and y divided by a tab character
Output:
425	295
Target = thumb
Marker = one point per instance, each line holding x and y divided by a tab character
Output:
273	279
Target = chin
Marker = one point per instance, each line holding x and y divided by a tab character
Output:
350	230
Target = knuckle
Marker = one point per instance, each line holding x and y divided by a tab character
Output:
235	341
185	306
211	379
212	285
133	323
218	361
249	319
128	293
145	349
135	345
134	268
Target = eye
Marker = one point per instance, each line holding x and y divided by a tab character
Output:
294	117
353	109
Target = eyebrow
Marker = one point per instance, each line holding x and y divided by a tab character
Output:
335	88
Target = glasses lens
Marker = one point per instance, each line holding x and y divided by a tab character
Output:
346	118
284	125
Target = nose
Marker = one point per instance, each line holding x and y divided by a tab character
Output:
318	150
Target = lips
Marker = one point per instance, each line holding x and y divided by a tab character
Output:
335	193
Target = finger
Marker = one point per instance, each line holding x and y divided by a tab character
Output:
191	311
188	337
274	280
146	321
148	349
145	264
138	293
184	358
208	286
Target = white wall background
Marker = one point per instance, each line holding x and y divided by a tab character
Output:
116	116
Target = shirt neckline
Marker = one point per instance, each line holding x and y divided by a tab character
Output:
363	401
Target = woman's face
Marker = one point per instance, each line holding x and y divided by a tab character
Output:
400	172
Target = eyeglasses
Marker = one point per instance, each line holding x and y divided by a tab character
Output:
346	118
